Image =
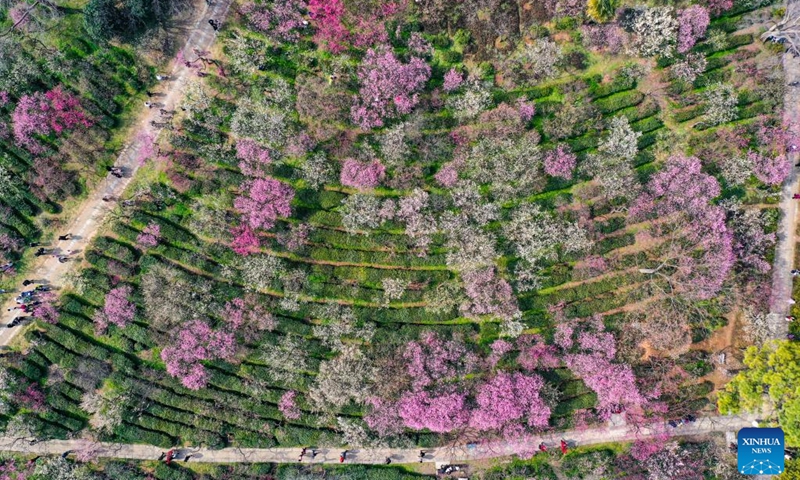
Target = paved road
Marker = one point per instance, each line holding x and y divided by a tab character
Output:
91	214
378	456
787	241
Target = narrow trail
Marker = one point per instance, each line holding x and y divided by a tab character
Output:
591	436
90	216
787	230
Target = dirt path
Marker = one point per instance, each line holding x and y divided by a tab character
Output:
590	436
785	249
90	216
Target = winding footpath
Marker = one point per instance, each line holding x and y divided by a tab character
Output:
443	455
787	229
94	210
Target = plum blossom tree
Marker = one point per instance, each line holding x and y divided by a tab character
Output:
196	342
489	295
432	359
245	241
690	67
253	157
46	311
770	170
692	24
655	30
117	309
560	162
265	201
388	87
46	113
327	16
439	413
718	6
288	405
361	174
383	417
150	236
697	253
282	20
452	80
508	398
590	357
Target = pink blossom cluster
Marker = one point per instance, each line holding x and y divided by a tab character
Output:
681	190
508	398
369	31
327	18
43	114
614	383
254	158
535	354
196	342
499	348
560	162
31	397
452	80
418	44
288	405
361	174
438	413
265	201
526	110
388	87
383	417
489	295
719	6
770	170
46	311
281	20
149	236
692	24
447	176
4	98
118	309
432	359
245	241
245	313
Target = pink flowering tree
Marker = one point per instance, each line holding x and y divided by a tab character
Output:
288	405
327	17
432	359
245	241
718	6
696	251
361	175
118	309
383	417
46	311
54	112
452	80
590	356
771	170
247	317
560	162
265	201
535	354
31	397
489	295
447	176
389	88
439	413
508	398
692	24
196	342
280	21
526	110
149	236
253	158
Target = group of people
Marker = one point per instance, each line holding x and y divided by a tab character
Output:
116	171
677	423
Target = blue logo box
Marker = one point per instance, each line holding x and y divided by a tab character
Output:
760	451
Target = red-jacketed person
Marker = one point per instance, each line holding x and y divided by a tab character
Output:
542	447
563	446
